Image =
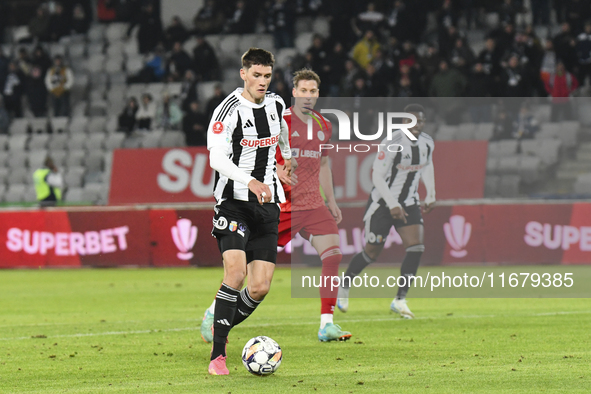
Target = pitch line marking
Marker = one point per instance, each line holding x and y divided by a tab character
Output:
108	333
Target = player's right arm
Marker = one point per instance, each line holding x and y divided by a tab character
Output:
381	165
219	144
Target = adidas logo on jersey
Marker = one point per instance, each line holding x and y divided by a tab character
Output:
248	124
295	134
407	156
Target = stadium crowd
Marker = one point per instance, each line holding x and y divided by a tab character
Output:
376	49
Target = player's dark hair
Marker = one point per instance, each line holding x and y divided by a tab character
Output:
257	56
305	74
414	108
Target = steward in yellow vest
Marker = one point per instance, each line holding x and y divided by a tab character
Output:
48	184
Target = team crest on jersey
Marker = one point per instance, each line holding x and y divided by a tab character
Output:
218	127
381	155
233	226
320	135
273	117
221	223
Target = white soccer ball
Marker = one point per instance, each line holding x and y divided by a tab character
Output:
261	356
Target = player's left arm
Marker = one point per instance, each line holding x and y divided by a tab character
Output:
428	178
285	148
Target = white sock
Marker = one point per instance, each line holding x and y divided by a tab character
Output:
212	307
325	318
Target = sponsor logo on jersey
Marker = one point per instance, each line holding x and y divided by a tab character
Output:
457	232
310	153
218	127
241	227
295	152
259	143
233	226
221	223
412	168
381	155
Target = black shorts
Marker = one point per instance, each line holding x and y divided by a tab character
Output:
247	226
378	221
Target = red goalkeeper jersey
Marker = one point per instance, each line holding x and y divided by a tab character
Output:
305	195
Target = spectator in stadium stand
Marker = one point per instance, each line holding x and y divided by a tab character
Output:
461	56
364	51
106	11
504	37
429	64
559	8
205	61
4	118
146	112
168	115
490	58
370	19
195	126
155	67
502	125
560	85
577	12
48	183
36	89
583	48
59	23
480	84
242	20
348	80
281	23
4	61
447	39
401	20
127	118
514	79
448	82
564	45
59	80
209	19
39	25
178	63
23	61
215	100
548	62
318	52
189	90
447	16
176	32
80	20
334	69
13	90
150	29
508	10
541	12
525	125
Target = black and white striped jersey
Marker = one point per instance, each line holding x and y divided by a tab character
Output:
249	134
402	170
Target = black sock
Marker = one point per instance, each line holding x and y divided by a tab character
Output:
225	308
357	264
410	266
246	305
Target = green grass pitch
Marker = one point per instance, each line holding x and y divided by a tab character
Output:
137	331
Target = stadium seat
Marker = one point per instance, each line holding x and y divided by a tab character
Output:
508	165
174	88
502	148
484	131
131	48
58	157
491	185
39	125
98	108
3	142
156	89
303	25
246	41
116	49
465	131
151	140
446	133
58	142
97	124
229	44
75	146
116	31
76	51
583	184
30	194
94	49
36	158
541	113
96	95
17	142
321	26
96	63
56	48
118	78
303	42
74	176
492	164
78	125
2	190
92	192
19	176
59	124
75	158
529	169
94	161
172	139
93	177
112	123
114	64
136	90
74	194
96	33
132	142
285	56
15	193
133	65
569	132
19	126
509	186
114	141
79	109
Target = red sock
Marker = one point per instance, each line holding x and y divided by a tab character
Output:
331	259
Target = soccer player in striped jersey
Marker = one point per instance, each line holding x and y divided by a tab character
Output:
394	201
305	211
242	139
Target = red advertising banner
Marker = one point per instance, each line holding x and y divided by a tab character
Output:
161	176
183	174
461	234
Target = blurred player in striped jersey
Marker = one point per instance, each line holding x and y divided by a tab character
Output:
394	201
305	211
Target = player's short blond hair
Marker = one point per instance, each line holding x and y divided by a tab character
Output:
257	56
305	74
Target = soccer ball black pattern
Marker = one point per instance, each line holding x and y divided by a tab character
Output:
261	356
